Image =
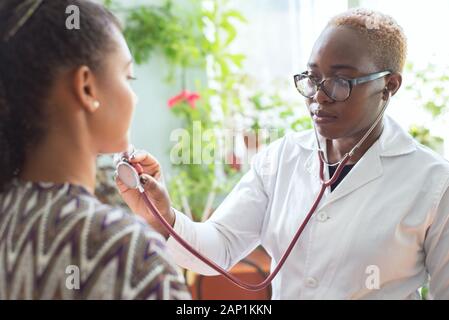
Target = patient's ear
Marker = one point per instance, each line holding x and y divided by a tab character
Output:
86	88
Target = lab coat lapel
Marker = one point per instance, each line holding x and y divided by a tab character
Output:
312	165
367	169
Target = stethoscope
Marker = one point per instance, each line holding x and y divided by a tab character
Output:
130	176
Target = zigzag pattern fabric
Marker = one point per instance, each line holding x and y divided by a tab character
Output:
48	230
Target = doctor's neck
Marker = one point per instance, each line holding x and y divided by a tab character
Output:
337	148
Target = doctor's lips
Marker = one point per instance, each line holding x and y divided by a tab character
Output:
322	117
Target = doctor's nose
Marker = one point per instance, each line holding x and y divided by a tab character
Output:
321	97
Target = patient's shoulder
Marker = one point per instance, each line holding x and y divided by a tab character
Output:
118	255
148	271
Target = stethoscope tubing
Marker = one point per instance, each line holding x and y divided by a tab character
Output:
324	184
228	275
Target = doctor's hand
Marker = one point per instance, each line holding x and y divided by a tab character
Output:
152	181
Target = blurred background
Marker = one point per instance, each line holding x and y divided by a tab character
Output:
226	67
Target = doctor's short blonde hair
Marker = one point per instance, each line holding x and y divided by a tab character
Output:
387	41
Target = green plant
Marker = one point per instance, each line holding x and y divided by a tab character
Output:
270	110
151	29
197	35
196	185
422	134
424	292
428	87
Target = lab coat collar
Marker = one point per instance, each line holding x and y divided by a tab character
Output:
394	141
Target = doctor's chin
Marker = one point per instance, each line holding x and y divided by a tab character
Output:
237	152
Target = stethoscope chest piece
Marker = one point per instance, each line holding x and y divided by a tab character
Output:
129	175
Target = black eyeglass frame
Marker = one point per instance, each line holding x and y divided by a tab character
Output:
352	82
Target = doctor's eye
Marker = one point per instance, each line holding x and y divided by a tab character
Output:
315	78
131	78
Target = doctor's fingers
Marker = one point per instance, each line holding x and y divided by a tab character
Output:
147	161
154	188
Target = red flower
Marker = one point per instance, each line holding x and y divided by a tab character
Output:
184	96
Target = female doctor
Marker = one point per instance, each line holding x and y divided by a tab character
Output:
380	230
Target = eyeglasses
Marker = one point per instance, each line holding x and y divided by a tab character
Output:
336	88
25	11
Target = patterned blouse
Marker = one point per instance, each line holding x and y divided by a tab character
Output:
57	241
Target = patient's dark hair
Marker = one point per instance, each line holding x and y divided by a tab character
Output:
29	61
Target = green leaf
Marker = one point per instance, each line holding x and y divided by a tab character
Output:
230	30
235	14
237	59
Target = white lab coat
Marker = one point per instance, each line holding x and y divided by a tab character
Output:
378	235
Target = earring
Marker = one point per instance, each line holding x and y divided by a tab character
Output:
96	104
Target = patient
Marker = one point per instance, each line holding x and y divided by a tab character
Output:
65	97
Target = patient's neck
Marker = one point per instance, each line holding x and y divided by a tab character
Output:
61	158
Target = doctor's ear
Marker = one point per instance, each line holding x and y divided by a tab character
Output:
392	84
85	87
